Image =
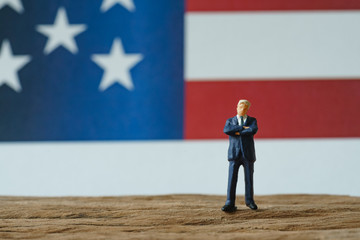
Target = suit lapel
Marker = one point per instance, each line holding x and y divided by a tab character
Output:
235	121
248	119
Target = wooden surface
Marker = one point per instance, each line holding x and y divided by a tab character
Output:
179	217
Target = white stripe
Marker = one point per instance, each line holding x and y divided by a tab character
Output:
264	45
328	166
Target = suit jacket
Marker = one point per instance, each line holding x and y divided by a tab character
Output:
241	145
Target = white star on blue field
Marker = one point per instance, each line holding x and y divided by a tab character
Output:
91	70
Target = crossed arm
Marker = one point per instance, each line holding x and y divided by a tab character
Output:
244	127
236	130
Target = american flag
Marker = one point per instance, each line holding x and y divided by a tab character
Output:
94	70
99	70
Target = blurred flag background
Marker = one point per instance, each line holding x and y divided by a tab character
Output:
116	97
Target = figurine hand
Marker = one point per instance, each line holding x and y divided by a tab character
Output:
245	127
237	133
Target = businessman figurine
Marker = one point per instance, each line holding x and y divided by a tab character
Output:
241	130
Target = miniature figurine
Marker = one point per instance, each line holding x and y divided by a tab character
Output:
241	130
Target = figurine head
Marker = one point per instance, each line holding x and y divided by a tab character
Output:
242	107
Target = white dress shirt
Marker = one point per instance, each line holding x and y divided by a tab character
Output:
244	118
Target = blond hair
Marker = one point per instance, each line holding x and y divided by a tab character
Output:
246	102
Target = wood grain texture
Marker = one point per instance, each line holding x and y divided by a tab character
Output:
179	217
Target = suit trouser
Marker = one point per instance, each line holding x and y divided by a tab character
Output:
234	166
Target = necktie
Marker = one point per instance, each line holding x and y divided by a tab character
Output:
241	120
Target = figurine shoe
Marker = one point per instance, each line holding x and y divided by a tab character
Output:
229	208
252	206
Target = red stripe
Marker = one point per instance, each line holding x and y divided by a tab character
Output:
284	109
270	5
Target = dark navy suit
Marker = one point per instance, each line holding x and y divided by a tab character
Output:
241	152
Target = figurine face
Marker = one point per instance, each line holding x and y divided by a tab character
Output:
242	109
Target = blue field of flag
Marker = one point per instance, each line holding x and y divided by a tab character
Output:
91	70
